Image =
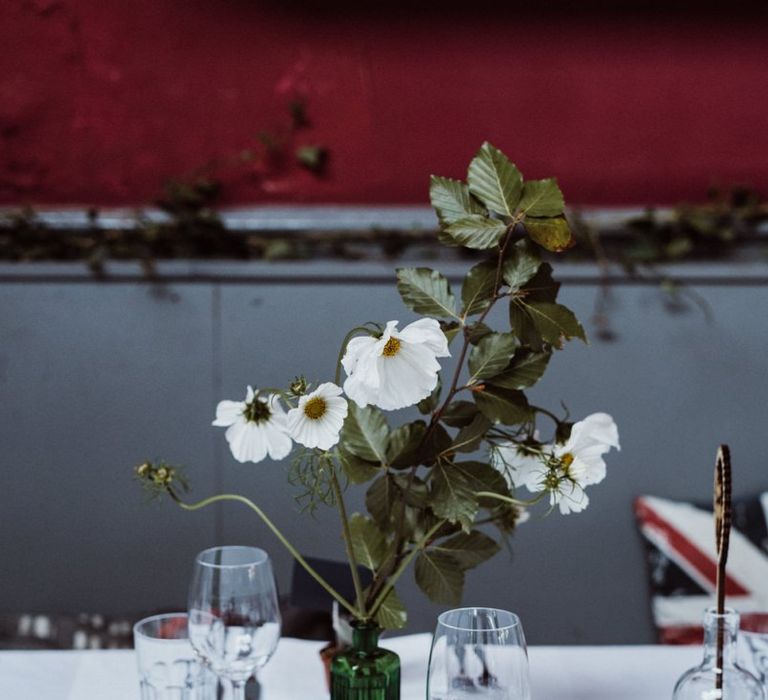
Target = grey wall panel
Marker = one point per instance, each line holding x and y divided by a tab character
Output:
95	379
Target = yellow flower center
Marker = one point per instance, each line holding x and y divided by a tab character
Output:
566	461
315	408
391	348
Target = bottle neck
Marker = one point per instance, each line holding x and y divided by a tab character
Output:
365	637
713	624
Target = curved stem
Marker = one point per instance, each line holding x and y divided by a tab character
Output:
359	602
508	499
294	552
423	542
547	413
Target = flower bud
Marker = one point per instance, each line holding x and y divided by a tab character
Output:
299	386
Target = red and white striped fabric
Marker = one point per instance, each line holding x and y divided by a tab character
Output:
680	548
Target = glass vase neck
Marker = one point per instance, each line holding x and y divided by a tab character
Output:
728	622
365	636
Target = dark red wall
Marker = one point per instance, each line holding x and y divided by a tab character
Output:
101	101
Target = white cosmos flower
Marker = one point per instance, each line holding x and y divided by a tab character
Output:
397	370
317	420
257	427
519	466
563	470
582	453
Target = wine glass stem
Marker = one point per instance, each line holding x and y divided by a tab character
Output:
233	690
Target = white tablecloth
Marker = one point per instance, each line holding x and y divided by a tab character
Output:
295	672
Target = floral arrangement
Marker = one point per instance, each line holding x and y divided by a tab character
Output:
434	486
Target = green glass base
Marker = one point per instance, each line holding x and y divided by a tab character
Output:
365	671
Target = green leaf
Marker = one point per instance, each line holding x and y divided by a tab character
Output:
436	442
480	476
440	577
553	234
404	443
523	328
365	433
491	355
418	495
554	322
459	413
425	291
450	329
357	470
429	404
452	497
495	181
542	286
542	198
368	543
380	500
469	437
521	263
477	232
477	331
503	405
391	615
468	549
478	288
525	370
452	200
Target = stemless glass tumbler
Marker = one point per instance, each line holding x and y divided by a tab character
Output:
478	653
168	667
234	618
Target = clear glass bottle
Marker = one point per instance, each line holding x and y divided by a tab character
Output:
700	683
365	671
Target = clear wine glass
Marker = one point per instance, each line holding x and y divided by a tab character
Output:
234	618
478	653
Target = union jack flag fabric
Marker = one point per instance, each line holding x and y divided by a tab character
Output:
680	550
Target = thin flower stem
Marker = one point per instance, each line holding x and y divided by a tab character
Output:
359	602
342	350
547	413
294	552
392	580
507	499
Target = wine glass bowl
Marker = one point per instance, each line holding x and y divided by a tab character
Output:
478	653
234	617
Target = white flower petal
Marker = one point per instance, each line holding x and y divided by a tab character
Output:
426	331
588	471
356	348
245	442
328	390
519	469
405	382
595	429
572	501
278	442
359	391
228	412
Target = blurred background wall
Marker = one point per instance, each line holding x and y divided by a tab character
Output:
102	101
96	378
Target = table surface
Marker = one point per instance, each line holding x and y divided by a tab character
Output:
557	673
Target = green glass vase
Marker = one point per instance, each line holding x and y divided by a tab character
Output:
365	671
